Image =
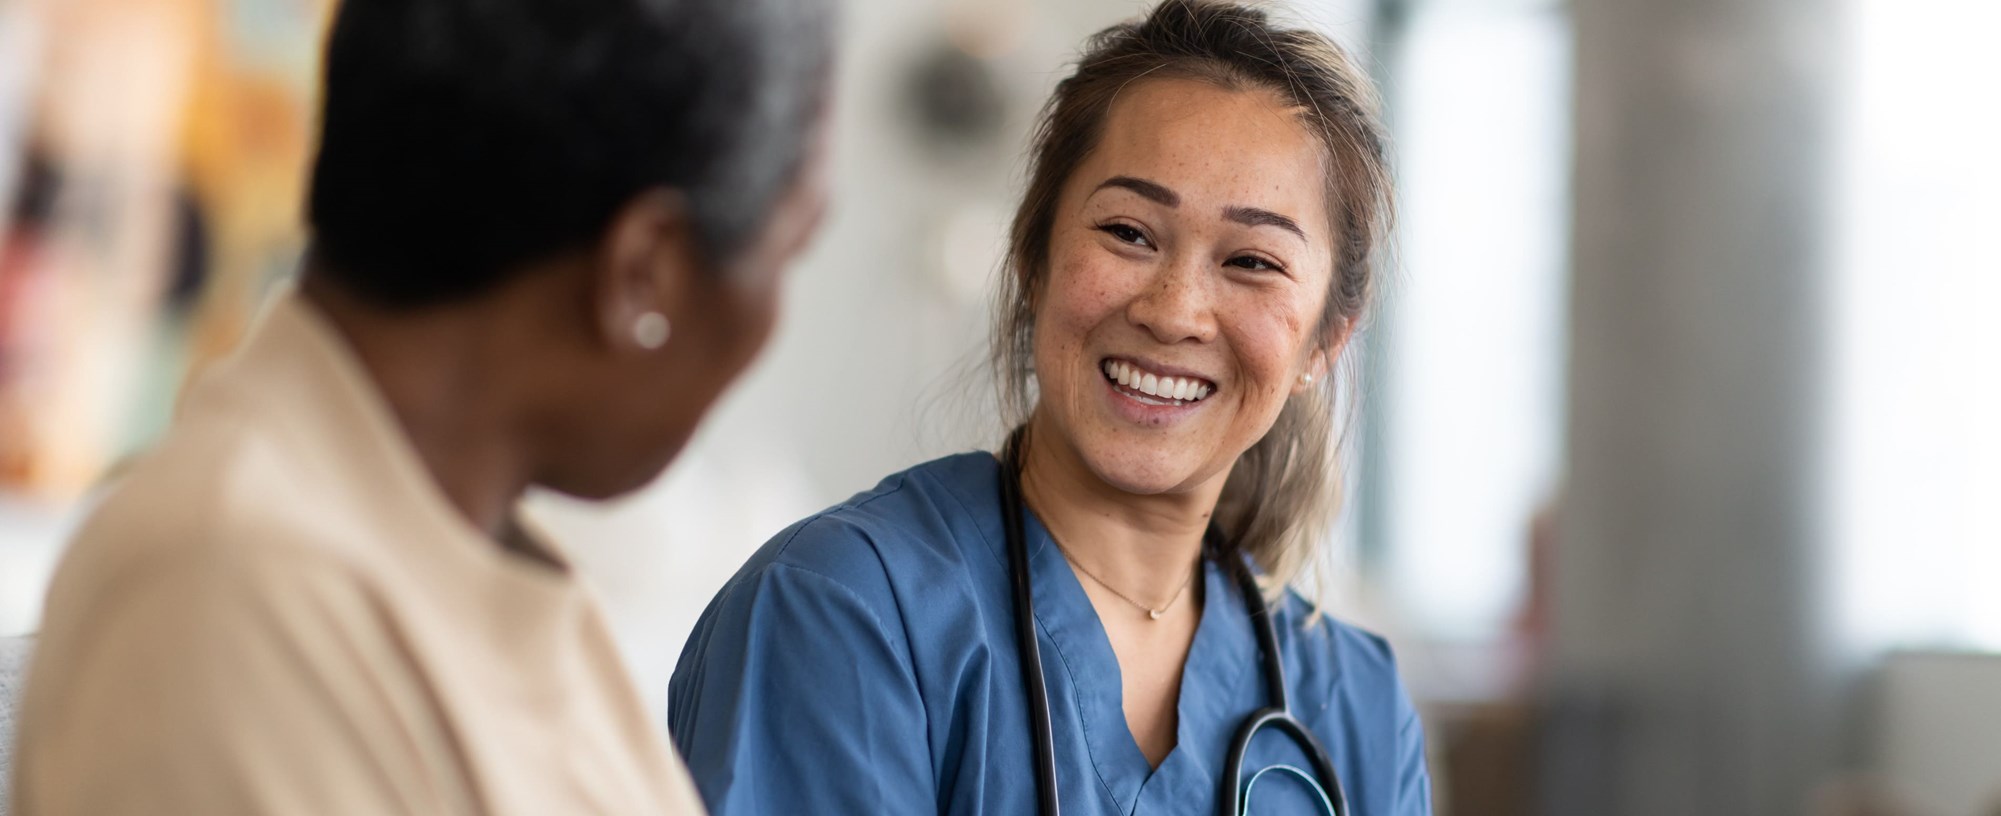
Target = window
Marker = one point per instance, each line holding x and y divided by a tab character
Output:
1468	401
1916	427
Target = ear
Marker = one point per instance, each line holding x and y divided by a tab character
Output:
1320	362
643	266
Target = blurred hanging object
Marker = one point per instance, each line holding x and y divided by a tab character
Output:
956	93
20	59
962	101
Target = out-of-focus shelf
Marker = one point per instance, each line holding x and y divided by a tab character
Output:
1937	741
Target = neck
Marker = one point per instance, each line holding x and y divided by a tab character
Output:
1144	545
437	371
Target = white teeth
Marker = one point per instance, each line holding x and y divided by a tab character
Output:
1153	385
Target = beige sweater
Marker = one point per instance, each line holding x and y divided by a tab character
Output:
278	612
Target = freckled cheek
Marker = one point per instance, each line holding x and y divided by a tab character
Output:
1081	296
1267	343
1060	328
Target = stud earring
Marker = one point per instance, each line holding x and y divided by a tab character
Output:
650	331
1306	379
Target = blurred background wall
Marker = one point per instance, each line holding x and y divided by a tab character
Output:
1677	474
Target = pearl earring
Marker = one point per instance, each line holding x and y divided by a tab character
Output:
650	330
1306	379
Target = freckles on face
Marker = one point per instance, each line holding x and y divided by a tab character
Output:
1189	262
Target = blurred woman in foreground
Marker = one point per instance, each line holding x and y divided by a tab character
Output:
545	237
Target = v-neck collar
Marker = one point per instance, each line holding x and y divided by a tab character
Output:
1221	682
1210	693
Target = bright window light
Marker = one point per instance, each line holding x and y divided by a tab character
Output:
1916	488
1472	397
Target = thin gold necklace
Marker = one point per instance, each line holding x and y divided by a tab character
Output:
1151	613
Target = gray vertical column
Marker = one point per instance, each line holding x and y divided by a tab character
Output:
1687	672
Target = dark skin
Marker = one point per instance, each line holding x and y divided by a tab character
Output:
540	381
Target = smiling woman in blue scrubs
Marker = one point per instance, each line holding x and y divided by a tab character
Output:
1193	252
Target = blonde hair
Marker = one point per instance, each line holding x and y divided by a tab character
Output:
1283	493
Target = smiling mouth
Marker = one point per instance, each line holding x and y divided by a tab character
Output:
1154	389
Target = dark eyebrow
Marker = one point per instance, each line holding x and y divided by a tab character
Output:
1248	216
1147	189
1254	217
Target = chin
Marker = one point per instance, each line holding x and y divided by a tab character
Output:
604	483
1144	472
596	490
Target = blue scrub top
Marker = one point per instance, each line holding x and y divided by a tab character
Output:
864	661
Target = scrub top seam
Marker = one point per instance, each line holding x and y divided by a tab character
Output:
1336	667
992	551
874	619
794	534
979	529
875	549
909	661
834	514
908	650
903	625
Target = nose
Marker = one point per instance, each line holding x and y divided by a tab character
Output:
1178	303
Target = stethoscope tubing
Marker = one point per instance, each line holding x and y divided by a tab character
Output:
1277	714
1040	730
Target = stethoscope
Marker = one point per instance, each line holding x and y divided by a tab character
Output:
1277	715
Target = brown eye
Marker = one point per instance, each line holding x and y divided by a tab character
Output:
1254	263
1126	233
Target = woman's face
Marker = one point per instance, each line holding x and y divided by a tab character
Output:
1189	264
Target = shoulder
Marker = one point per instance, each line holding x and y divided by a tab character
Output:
214	496
197	579
204	651
1351	665
200	628
1358	650
216	521
863	568
1347	688
927	523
